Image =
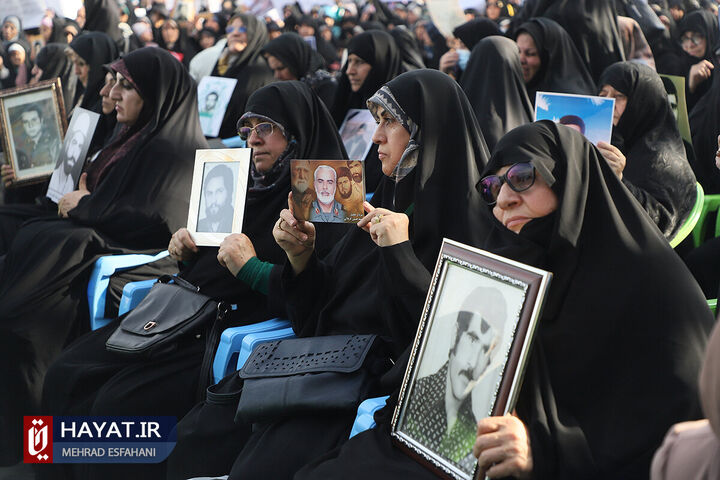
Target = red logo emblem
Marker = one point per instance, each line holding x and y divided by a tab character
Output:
38	439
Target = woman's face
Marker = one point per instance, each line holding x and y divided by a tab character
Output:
17	57
694	43
236	36
515	209
128	102
45	32
529	56
82	69
108	105
206	41
620	101
280	70
392	140
9	31
357	71
492	10
266	150
170	33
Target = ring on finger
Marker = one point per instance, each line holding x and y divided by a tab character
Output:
377	218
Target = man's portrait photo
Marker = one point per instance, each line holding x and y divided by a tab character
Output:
457	375
216	207
72	155
326	190
301	187
211	100
213	96
36	144
325	208
348	194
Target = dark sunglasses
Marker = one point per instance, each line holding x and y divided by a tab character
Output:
262	130
230	30
519	177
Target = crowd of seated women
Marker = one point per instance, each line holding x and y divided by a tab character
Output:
623	336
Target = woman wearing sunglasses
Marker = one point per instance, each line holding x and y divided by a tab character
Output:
698	36
238	56
284	120
617	349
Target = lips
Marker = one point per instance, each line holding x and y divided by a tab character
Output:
516	221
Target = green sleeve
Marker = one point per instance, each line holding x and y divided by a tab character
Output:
256	274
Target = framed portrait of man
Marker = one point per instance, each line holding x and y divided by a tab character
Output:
468	357
356	132
71	157
217	199
328	191
33	127
213	97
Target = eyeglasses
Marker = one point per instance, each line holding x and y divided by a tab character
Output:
519	178
230	30
262	130
695	39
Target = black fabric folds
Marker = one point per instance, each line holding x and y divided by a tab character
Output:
104	16
592	25
411	57
53	62
562	69
475	30
493	82
250	70
97	49
657	171
704	121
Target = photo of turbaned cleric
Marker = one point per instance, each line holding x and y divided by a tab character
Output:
461	365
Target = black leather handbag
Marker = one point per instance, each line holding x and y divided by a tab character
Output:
173	309
315	374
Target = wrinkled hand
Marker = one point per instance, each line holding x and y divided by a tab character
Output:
448	61
235	251
71	200
614	157
7	174
699	72
295	237
385	227
717	154
502	447
182	248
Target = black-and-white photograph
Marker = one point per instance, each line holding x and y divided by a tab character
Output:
461	356
33	121
72	154
218	196
356	132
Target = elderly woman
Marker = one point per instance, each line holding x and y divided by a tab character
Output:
130	199
698	36
604	379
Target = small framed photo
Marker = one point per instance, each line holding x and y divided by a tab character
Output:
213	97
356	132
589	115
328	191
217	199
469	355
33	126
72	155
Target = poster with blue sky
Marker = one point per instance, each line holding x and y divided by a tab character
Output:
591	116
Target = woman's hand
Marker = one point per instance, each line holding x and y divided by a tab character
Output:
7	174
182	248
699	72
385	227
295	237
614	157
717	154
448	61
235	251
502	447
70	200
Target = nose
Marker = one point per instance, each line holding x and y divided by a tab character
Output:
507	197
254	138
378	136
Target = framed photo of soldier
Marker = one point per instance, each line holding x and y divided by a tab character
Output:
33	127
356	132
217	199
71	157
328	191
468	357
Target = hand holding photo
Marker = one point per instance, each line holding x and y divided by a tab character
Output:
469	355
328	191
356	132
217	200
592	116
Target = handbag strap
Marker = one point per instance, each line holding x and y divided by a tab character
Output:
179	281
212	338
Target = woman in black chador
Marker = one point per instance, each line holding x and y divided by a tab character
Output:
647	152
493	82
619	344
373	60
698	38
134	197
88	380
550	61
376	278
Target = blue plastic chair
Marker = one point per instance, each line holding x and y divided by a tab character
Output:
133	293
104	268
365	419
233	142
